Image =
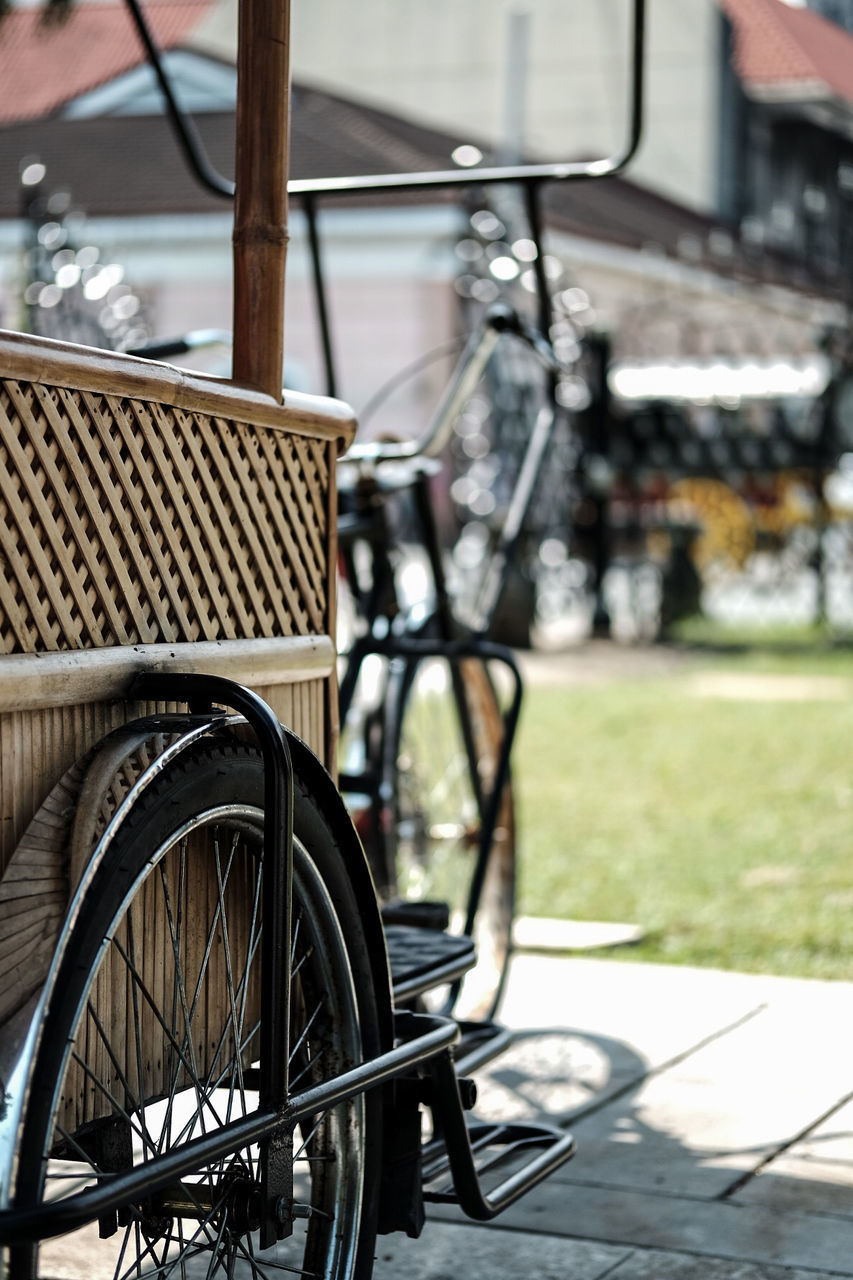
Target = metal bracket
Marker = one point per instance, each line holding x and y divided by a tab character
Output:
201	692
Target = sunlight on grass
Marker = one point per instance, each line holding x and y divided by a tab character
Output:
722	826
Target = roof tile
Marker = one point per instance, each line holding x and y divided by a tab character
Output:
778	45
43	64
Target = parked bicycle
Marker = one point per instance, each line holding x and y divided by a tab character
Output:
429	704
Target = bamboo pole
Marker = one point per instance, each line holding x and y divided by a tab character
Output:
260	208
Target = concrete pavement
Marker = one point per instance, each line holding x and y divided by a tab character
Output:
714	1120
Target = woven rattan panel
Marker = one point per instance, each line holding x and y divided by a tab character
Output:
125	521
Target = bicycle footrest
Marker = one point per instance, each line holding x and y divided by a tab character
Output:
421	959
507	1161
483	1168
421	914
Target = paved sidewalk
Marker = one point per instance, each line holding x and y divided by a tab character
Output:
714	1123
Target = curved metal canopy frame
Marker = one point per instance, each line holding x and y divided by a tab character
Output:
528	176
210	178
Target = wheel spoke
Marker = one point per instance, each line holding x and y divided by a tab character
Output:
179	993
234	1019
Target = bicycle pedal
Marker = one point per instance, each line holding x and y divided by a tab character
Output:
421	959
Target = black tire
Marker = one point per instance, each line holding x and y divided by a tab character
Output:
139	1045
437	787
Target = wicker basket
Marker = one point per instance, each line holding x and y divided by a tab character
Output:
147	518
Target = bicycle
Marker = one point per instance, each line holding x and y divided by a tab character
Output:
203	1060
428	751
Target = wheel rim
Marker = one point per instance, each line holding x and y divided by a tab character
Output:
438	822
119	1101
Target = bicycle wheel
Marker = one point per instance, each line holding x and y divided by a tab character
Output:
152	1035
443	739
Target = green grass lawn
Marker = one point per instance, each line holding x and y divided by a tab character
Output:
723	827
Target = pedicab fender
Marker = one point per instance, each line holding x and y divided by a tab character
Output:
311	770
104	763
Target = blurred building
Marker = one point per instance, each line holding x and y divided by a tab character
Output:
730	236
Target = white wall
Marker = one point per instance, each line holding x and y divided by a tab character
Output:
390	278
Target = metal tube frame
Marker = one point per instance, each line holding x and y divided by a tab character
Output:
460	1142
200	692
529	176
432	1035
365	184
413	649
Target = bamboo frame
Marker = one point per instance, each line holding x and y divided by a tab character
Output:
260	207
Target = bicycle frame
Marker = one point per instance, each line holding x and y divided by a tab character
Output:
438	636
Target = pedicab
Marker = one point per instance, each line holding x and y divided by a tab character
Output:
213	1057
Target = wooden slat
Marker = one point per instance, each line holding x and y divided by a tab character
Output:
283	531
204	553
142	456
251	566
37	746
104	503
30	682
33	359
125	574
309	497
239	583
310	553
270	556
41	514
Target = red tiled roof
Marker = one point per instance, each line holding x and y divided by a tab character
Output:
778	46
46	64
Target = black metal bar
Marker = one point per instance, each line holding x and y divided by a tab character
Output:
309	206
452	971
492	808
185	130
197	159
422	1035
277	898
453	651
469	1194
599	418
360	649
479	1044
404	646
533	209
491	588
431	543
523	173
43	1221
